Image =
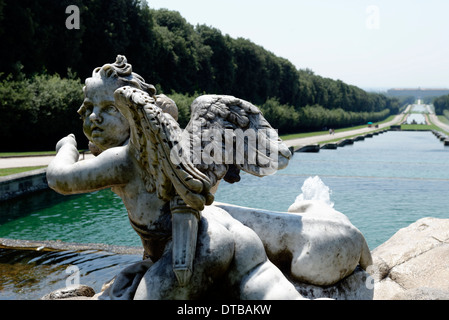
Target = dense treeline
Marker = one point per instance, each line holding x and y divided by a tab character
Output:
441	104
36	112
178	58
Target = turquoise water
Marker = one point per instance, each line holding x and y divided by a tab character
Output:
382	184
98	217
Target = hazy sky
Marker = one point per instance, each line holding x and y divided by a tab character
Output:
370	44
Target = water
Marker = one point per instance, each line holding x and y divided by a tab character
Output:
315	189
98	217
421	108
416	118
382	184
30	274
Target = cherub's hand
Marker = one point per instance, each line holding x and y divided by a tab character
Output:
70	139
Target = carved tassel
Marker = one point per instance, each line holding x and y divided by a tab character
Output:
184	235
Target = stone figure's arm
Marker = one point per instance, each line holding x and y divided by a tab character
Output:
68	176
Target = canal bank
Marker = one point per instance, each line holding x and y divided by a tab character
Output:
299	143
20	184
335	144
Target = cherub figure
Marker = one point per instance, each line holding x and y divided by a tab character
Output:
192	249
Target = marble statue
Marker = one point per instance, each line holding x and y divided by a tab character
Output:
167	177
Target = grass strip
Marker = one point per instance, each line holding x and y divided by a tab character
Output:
318	133
9	171
27	154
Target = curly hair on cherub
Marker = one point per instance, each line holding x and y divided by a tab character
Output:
120	71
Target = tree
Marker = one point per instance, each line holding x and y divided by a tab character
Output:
38	111
441	104
283	117
169	53
221	64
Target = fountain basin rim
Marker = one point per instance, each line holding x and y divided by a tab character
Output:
51	245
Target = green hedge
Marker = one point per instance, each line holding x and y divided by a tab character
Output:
36	112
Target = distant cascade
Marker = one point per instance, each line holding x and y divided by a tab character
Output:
315	189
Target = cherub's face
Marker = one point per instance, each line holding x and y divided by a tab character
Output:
103	124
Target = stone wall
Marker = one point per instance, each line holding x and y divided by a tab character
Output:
15	185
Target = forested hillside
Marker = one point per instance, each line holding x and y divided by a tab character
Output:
44	64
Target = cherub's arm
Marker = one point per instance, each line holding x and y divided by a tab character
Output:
68	176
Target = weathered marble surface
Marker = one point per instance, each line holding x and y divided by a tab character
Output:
413	263
316	244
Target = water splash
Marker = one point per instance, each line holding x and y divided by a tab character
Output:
315	189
